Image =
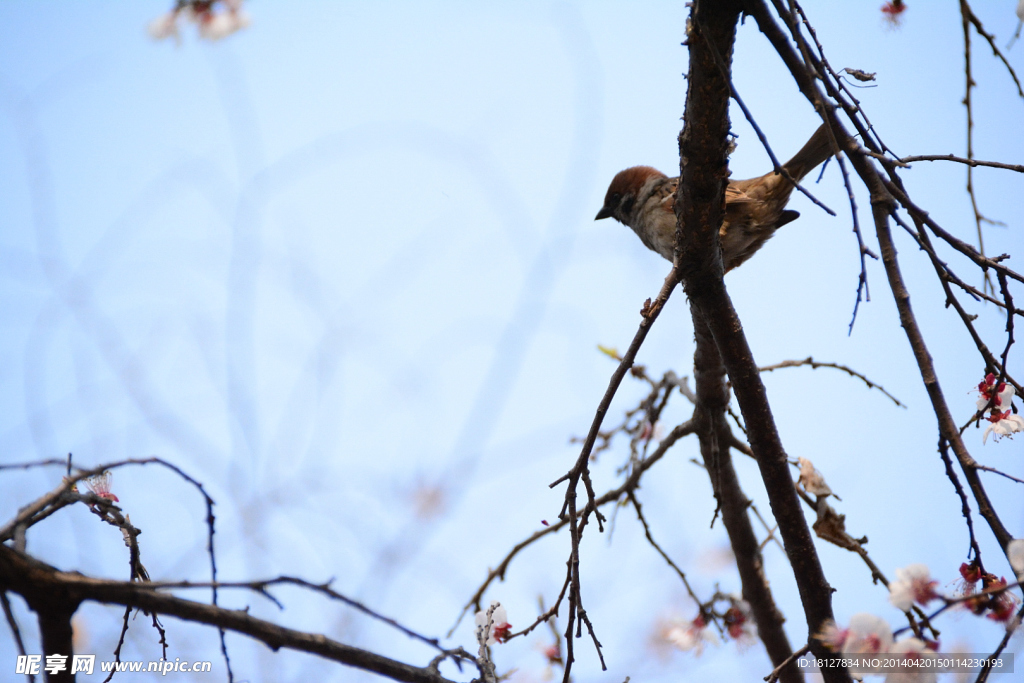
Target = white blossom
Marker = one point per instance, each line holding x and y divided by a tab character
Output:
1015	550
866	635
213	20
909	648
691	635
164	26
222	24
1002	421
913	584
1003	424
1003	397
492	624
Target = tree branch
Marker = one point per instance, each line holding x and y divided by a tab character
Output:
36	581
699	204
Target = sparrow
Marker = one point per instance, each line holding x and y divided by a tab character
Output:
641	197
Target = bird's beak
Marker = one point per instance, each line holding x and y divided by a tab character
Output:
605	212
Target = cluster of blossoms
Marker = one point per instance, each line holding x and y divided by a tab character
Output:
492	625
869	635
997	397
215	19
692	636
914	584
995	603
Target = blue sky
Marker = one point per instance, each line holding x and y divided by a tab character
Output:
344	262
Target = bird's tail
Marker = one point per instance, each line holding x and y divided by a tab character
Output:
817	149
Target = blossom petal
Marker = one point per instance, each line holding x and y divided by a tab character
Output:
1015	550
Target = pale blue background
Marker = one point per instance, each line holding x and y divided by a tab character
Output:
347	258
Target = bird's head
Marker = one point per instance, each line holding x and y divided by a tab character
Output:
620	200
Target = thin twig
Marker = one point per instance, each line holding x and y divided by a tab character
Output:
993	470
960	160
774	675
966	14
809	361
15	631
654	544
120	642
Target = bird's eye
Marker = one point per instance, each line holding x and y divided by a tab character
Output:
616	196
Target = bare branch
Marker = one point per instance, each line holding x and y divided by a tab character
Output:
809	361
960	160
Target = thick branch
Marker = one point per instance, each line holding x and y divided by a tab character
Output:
35	580
714	434
699	204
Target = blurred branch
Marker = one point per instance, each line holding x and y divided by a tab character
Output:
260	586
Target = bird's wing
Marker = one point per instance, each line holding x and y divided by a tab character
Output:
735	195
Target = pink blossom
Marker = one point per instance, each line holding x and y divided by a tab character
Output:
893	11
739	622
970	574
1002	605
